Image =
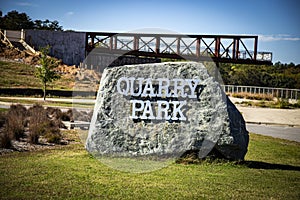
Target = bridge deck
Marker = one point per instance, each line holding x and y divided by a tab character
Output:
219	48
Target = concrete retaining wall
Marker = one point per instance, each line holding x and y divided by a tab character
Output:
67	46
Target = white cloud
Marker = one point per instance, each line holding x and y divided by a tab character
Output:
26	4
279	37
70	13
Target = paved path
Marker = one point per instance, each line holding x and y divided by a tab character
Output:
289	117
278	123
284	132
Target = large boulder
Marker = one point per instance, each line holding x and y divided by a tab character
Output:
164	109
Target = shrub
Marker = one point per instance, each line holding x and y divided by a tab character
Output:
80	115
12	125
282	103
53	134
58	123
70	114
35	131
5	140
53	137
38	123
56	115
297	105
65	116
15	122
2	119
53	111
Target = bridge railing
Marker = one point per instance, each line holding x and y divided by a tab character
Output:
220	48
14	35
285	93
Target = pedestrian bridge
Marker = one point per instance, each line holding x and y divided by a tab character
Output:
219	48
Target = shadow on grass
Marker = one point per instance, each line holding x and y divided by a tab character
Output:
265	165
191	157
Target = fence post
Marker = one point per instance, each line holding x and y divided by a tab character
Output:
22	35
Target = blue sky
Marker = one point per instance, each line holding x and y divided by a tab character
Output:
276	22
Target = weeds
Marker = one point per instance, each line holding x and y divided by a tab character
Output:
278	103
191	157
246	95
282	103
297	105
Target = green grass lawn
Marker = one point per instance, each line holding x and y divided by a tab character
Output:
271	171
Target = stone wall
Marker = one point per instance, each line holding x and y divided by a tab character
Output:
67	46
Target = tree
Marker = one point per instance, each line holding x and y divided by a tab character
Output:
47	25
46	72
14	20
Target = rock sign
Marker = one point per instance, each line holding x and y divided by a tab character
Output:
164	110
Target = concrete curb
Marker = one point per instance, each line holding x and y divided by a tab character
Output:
273	124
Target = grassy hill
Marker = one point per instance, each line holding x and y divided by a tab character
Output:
19	75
